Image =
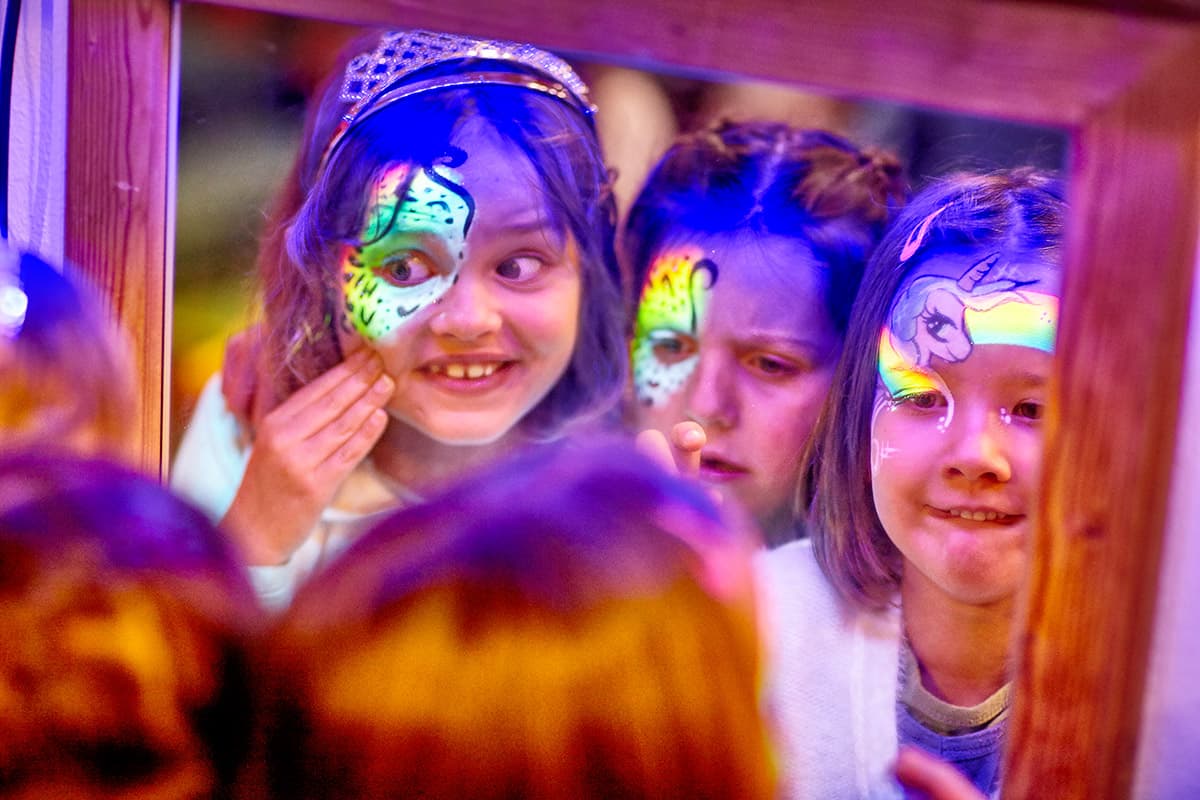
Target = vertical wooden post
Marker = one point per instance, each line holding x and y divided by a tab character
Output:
119	195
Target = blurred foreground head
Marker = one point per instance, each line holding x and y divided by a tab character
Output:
126	624
65	380
570	623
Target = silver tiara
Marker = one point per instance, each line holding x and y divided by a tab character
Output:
14	303
376	79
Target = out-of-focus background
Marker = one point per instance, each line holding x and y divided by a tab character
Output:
246	77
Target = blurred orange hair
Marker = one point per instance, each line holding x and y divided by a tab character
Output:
592	637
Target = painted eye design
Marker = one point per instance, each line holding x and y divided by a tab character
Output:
671	347
935	322
520	269
922	400
1029	409
406	269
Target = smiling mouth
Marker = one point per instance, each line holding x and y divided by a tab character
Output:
467	371
979	515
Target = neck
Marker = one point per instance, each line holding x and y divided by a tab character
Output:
411	458
962	649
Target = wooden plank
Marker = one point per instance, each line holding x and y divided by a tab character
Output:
1096	561
975	56
120	155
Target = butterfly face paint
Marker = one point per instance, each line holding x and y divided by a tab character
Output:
411	247
674	300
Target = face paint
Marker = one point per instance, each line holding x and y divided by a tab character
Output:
672	307
412	246
937	315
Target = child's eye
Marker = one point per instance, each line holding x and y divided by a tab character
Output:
671	347
520	269
771	366
924	401
1029	409
406	269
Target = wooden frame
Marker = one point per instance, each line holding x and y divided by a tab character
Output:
1126	88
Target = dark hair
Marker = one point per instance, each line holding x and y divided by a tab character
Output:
1019	213
321	208
534	631
771	178
129	624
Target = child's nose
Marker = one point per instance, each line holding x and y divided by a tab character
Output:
467	311
712	393
978	449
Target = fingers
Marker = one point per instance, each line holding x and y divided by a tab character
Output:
347	428
934	778
325	398
652	444
687	440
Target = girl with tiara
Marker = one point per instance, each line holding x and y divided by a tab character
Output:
748	242
892	622
439	288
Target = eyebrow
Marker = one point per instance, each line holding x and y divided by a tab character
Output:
765	337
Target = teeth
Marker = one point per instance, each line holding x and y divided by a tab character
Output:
460	371
977	516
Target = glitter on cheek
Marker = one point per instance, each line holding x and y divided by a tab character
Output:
1006	416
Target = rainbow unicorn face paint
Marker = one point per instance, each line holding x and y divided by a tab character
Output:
673	303
411	247
944	316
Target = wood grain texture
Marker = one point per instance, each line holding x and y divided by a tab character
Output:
119	154
976	56
1124	86
1096	559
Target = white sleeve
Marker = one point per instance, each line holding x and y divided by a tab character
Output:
210	462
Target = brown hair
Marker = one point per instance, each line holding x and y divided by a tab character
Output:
1021	213
771	178
571	623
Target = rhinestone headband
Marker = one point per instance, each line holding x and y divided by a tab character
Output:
13	301
375	80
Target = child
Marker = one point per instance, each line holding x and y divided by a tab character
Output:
530	633
440	290
748	242
127	624
892	626
65	382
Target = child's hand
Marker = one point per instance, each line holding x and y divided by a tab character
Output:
302	452
681	454
925	776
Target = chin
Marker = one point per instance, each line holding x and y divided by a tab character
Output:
467	430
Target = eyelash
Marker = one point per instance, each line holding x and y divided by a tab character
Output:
914	399
780	367
386	270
